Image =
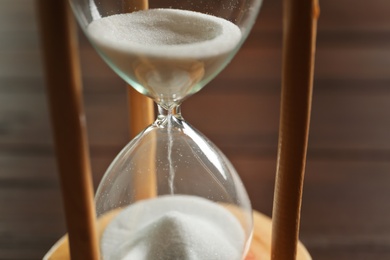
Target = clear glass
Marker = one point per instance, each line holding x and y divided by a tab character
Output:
168	73
170	193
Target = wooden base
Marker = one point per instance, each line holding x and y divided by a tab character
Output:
260	247
261	241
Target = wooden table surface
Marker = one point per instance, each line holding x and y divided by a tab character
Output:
346	208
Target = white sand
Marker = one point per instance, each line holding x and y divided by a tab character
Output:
174	228
166	32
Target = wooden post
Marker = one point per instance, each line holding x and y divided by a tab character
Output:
299	34
68	120
141	111
141	108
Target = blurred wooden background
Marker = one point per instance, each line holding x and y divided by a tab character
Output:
346	209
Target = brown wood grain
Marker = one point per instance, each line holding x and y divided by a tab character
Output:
299	42
63	80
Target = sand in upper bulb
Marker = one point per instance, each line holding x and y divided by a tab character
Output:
165	53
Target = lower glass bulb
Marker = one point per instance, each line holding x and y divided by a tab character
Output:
172	194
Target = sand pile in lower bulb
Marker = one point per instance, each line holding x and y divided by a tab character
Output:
199	230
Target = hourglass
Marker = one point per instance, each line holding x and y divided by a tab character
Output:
168	50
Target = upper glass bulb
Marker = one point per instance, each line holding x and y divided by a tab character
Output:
167	50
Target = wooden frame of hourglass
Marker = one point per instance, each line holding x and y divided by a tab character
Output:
71	147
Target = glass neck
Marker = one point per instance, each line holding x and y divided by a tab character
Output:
173	115
172	111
